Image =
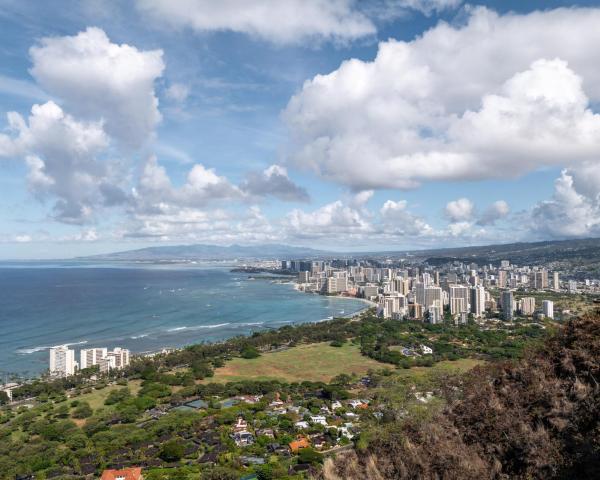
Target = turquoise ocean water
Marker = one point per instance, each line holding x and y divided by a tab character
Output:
143	308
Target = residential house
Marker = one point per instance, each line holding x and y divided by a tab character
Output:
298	444
133	473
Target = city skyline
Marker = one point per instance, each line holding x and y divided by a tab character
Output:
348	126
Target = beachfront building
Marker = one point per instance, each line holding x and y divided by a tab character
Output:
62	361
89	357
115	359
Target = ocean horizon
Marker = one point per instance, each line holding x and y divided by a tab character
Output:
142	307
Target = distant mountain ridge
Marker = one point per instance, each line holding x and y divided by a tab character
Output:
583	252
213	252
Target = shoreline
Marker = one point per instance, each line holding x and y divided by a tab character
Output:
148	353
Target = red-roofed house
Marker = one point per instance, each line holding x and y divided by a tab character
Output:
123	474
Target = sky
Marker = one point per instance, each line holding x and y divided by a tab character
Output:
335	124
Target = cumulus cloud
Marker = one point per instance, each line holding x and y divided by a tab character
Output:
66	161
281	22
274	181
332	219
156	194
412	115
208	226
568	213
460	210
496	211
97	79
398	221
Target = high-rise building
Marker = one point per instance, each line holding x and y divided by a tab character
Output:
572	286
548	308
62	361
502	279
478	301
504	263
420	293
527	305
555	281
118	358
508	305
303	277
540	279
89	357
432	296
459	299
435	314
337	283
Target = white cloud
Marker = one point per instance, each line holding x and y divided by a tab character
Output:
361	198
283	22
274	181
442	107
194	225
398	221
496	211
97	79
327	221
65	161
460	210
155	192
568	213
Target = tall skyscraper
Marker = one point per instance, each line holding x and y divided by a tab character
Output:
62	361
555	281
548	308
420	293
433	296
527	305
508	305
478	301
459	299
502	279
540	279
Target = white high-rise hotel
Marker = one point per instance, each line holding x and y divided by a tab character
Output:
62	361
63	364
116	359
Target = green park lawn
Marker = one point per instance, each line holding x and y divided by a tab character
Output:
318	362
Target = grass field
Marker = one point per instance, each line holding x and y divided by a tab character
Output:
314	362
96	397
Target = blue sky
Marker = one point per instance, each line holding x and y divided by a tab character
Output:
338	124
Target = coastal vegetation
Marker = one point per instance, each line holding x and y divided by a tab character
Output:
175	414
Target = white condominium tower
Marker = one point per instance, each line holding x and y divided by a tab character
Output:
528	305
118	358
91	356
459	299
548	308
478	301
62	361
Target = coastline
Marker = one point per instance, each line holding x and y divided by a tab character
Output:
184	333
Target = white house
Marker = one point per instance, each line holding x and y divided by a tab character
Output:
320	419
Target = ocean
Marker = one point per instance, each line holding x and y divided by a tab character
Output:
143	308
